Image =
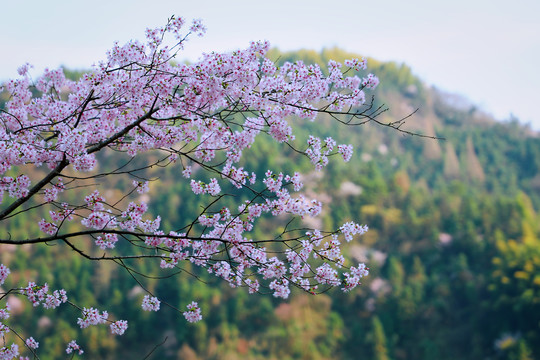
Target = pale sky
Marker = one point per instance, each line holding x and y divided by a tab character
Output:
486	50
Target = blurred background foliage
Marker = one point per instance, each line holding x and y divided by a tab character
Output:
453	248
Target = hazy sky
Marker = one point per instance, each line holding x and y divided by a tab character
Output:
486	50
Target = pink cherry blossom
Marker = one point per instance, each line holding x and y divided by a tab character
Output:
92	316
119	327
4	313
193	314
4	272
73	347
9	353
150	303
31	343
4	329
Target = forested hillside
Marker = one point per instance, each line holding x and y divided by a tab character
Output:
453	248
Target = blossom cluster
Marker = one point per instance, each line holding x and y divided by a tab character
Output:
73	347
193	313
31	343
83	124
119	327
204	116
4	272
150	303
16	187
12	351
141	187
38	294
50	194
9	353
92	316
319	151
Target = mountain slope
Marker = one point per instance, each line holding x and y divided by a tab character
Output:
453	247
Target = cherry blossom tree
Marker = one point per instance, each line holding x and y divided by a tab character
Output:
199	118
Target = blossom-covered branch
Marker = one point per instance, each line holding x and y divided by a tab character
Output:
201	118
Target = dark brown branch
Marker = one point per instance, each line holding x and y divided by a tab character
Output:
140	235
56	171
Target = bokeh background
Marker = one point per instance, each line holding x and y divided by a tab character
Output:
454	240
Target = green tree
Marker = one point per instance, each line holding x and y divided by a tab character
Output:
380	349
